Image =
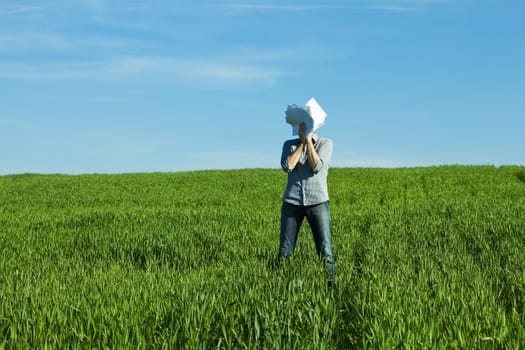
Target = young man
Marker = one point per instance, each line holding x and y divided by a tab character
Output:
306	160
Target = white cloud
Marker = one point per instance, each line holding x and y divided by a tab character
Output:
160	69
31	41
268	7
354	159
47	71
233	160
393	8
195	69
367	163
385	5
13	9
234	8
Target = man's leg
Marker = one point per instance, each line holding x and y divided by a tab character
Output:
319	219
291	218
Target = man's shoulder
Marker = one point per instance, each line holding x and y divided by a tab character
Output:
291	142
324	140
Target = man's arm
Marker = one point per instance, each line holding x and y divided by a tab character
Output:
320	157
294	157
313	156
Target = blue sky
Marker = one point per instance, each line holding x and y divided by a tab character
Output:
139	86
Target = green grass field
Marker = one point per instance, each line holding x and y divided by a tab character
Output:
428	257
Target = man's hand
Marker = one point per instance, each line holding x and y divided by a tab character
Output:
302	130
302	137
304	140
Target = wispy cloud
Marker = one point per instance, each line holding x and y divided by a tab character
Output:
13	9
48	71
393	6
268	7
195	69
30	41
226	159
353	160
239	8
158	68
50	131
405	5
415	2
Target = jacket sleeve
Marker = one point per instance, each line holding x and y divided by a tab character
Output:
286	151
325	155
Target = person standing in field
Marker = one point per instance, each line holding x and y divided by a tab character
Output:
306	160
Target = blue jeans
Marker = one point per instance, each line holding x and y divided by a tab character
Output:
318	217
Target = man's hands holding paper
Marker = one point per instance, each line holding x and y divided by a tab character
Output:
305	120
302	131
306	140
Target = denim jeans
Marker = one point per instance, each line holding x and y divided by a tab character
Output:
318	217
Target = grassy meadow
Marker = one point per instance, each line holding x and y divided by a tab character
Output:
430	257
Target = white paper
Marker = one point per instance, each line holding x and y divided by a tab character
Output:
311	114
